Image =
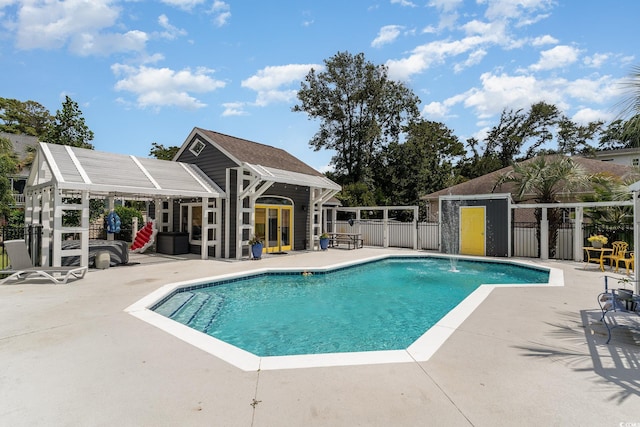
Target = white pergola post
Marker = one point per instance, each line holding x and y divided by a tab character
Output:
578	238
544	236
385	228
111	200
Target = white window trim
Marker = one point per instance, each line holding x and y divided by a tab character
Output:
197	143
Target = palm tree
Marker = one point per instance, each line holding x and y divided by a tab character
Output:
544	180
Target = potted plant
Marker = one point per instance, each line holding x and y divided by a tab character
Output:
256	247
624	293
324	241
597	240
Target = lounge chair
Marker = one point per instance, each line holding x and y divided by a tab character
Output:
21	266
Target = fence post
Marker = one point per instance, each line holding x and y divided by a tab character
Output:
578	238
544	236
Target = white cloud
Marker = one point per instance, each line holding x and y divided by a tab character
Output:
273	83
221	12
445	5
170	32
586	115
403	3
106	44
183	4
423	57
544	40
161	87
49	25
526	11
556	57
234	109
474	58
386	35
596	60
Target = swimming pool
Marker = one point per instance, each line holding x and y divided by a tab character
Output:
377	306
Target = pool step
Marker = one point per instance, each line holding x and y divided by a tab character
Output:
188	311
175	303
207	313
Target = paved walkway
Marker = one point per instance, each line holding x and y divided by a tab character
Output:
71	356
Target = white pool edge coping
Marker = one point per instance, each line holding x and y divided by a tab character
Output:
420	350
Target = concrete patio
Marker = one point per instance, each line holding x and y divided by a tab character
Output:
71	356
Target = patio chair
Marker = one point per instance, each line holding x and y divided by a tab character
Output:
21	266
619	250
628	262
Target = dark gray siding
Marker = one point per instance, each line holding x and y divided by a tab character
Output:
212	162
496	225
300	197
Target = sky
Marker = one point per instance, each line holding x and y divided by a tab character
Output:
150	71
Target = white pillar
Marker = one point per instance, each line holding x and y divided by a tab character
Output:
544	236
578	238
112	206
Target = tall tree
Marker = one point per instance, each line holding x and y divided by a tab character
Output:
520	131
7	168
360	110
574	138
159	151
69	128
421	165
30	117
621	134
543	180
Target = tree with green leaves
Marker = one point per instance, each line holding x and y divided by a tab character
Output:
29	118
421	165
8	163
574	138
543	180
518	131
621	134
161	152
360	110
69	128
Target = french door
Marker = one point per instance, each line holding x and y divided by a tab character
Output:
274	225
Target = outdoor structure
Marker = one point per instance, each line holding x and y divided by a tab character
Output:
269	193
211	199
621	156
476	225
485	185
64	178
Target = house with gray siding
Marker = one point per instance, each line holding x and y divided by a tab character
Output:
269	194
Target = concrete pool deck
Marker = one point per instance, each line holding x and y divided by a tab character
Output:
70	355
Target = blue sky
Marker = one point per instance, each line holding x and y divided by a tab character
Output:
146	72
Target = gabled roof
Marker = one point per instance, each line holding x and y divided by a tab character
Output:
245	151
484	184
71	168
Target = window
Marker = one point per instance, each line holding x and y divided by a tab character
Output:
196	147
635	162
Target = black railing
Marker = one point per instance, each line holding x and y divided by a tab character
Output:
31	234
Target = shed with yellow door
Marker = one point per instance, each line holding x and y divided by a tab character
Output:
476	225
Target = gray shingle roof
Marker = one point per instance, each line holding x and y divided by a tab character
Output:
258	154
484	184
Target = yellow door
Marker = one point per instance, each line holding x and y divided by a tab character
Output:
274	225
472	225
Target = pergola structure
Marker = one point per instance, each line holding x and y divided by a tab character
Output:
65	178
254	180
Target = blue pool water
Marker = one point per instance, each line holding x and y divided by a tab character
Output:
382	305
